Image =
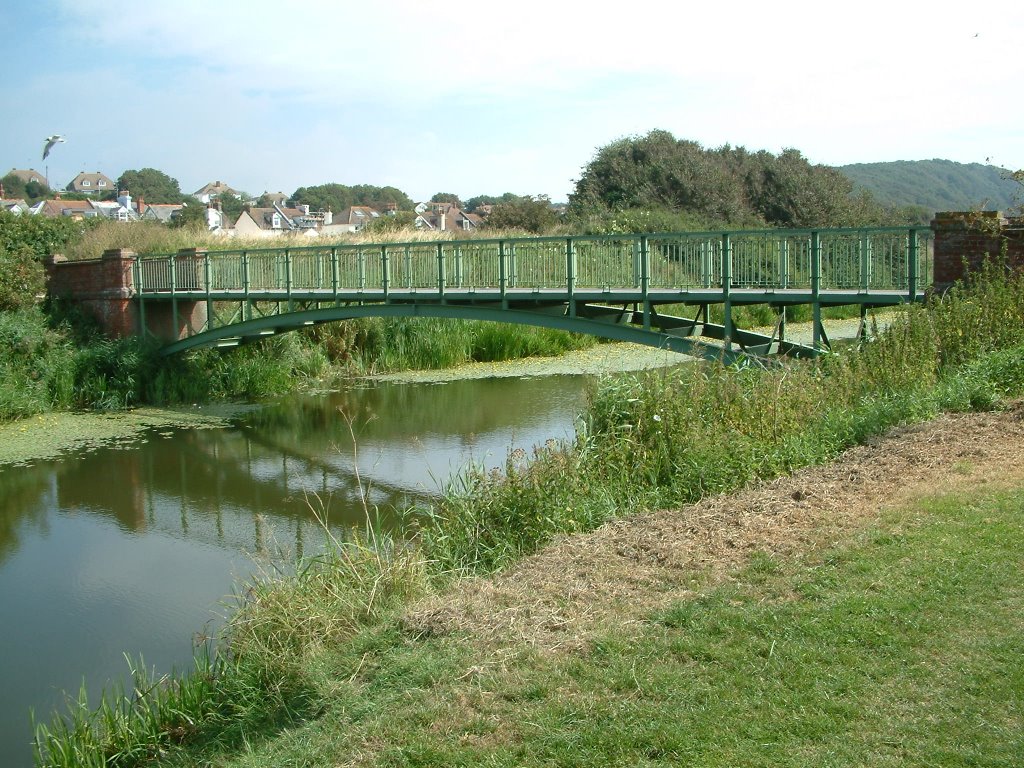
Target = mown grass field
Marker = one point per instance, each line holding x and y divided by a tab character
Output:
900	646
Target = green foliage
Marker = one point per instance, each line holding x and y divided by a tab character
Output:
389	223
22	279
936	185
41	234
338	197
378	344
639	221
670	437
532	214
447	197
232	206
727	185
475	202
16	188
192	217
150	185
650	440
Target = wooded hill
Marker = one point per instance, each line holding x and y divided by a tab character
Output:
937	185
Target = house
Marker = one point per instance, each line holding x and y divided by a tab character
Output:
356	217
213	190
17	207
278	220
91	184
56	208
28	176
275	198
445	216
162	212
117	210
267	222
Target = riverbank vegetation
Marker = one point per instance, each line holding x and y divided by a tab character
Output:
647	441
57	358
646	183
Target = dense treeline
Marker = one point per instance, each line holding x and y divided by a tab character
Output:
728	186
938	185
338	197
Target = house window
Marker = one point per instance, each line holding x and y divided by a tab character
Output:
86	183
101	183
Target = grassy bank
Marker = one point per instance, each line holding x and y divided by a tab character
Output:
899	647
649	441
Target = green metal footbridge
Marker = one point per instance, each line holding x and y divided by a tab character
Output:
655	289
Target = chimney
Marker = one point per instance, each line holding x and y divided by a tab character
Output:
441	221
141	206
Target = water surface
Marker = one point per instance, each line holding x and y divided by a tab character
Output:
136	548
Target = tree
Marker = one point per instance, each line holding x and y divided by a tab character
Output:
233	206
42	235
22	278
534	214
475	202
447	197
391	223
725	187
338	197
192	216
151	185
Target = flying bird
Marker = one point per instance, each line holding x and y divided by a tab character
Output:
50	141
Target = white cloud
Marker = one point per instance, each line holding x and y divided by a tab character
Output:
287	93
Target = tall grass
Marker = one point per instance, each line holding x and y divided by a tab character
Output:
668	437
646	440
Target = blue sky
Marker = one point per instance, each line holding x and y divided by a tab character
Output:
485	98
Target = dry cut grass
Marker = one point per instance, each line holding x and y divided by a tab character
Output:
575	589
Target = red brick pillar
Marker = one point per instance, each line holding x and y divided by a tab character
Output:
964	240
104	287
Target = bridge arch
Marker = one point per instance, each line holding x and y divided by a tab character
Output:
616	325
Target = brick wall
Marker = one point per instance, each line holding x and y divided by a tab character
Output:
964	240
103	287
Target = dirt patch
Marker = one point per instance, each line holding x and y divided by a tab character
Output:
559	598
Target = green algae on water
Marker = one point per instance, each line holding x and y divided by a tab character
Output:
48	435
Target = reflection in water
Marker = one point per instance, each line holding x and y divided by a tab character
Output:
132	549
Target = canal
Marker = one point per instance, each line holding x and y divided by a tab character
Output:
134	549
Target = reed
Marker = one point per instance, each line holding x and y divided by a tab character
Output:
646	440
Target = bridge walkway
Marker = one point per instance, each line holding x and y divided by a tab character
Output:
624	287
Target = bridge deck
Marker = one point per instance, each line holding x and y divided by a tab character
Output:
579	277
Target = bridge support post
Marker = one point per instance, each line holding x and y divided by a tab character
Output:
727	289
503	274
645	279
104	287
570	275
816	289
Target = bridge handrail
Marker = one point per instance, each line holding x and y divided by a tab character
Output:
851	258
701	234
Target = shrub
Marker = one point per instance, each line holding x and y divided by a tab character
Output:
22	278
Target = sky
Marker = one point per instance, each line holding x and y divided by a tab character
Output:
487	98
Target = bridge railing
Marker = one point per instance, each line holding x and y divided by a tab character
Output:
893	259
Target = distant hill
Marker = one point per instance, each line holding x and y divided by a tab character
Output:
937	185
